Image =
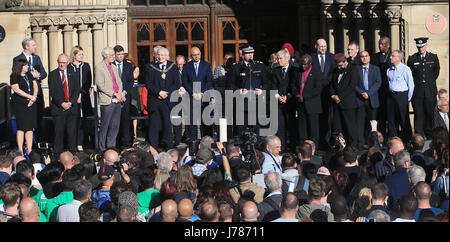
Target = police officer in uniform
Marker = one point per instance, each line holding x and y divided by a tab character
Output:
249	77
425	69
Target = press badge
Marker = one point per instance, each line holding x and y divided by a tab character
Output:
242	74
416	63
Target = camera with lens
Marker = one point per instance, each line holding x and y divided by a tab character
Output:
335	142
247	143
44	148
96	157
118	164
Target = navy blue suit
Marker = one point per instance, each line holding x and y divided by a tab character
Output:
188	78
159	109
37	65
127	78
367	108
327	73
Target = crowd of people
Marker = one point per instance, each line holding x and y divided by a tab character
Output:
354	110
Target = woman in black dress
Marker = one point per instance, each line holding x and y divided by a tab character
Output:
85	127
23	102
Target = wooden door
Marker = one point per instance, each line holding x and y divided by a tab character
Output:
230	37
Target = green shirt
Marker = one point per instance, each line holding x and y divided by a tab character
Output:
148	200
39	197
42	218
52	204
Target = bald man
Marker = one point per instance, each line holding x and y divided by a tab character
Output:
423	192
387	167
29	210
186	210
249	212
67	160
367	96
64	87
169	211
199	72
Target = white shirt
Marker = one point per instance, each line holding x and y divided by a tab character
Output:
69	212
65	74
403	220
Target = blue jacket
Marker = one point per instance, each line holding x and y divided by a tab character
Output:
398	185
374	85
37	64
204	76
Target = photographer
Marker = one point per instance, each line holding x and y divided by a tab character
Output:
130	169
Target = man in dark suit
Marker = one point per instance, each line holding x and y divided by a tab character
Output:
64	92
441	117
36	68
283	74
177	129
125	70
425	69
307	88
324	61
269	208
161	80
383	61
342	90
197	71
367	93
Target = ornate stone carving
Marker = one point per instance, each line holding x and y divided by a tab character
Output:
13	3
393	14
65	20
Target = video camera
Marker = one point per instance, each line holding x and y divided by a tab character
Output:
45	148
247	143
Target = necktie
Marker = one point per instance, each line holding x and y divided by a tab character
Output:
29	64
119	69
366	78
446	120
66	90
163	67
322	63
283	72
196	69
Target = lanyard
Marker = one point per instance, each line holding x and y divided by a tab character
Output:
274	160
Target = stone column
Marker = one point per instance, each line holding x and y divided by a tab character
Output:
394	14
111	33
97	35
53	47
361	33
122	34
83	40
213	35
68	38
36	33
331	33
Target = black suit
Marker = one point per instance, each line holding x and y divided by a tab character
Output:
281	82
127	78
324	117
383	61
309	110
438	121
345	111
64	119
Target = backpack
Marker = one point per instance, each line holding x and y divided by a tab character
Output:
298	187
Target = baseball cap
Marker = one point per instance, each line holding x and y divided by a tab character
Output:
105	172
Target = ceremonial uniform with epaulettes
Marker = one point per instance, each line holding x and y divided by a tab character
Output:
425	70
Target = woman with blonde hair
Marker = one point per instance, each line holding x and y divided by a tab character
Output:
86	110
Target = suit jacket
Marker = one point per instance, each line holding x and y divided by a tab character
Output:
345	89
85	81
312	90
37	64
56	89
204	76
155	83
283	84
104	83
127	76
374	85
383	62
267	212
330	65
438	121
